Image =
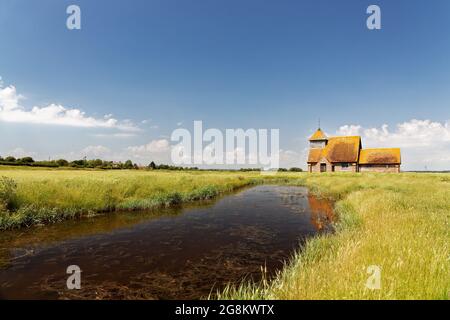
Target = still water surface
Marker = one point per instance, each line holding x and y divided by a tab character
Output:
177	253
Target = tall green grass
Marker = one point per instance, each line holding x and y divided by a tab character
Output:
397	222
46	196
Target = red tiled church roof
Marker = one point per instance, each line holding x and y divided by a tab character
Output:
380	156
338	149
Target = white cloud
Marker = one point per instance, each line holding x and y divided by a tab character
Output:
54	114
115	135
155	146
290	158
96	151
349	130
20	153
9	99
424	143
414	133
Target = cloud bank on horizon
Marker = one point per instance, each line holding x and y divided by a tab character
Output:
425	143
12	111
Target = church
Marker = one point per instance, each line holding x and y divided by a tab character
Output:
345	153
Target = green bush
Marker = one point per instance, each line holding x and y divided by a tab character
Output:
26	160
62	162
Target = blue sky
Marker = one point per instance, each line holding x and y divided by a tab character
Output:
156	65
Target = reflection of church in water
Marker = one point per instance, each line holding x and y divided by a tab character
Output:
322	213
320	209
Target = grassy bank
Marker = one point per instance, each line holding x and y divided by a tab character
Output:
30	196
397	222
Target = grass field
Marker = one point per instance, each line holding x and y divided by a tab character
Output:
39	196
399	222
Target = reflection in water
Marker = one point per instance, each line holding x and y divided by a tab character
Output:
176	253
322	213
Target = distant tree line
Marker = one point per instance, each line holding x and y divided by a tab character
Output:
154	166
83	163
107	165
293	169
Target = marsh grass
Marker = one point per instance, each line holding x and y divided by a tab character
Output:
397	222
39	196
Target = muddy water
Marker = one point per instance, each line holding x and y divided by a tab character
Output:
179	253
